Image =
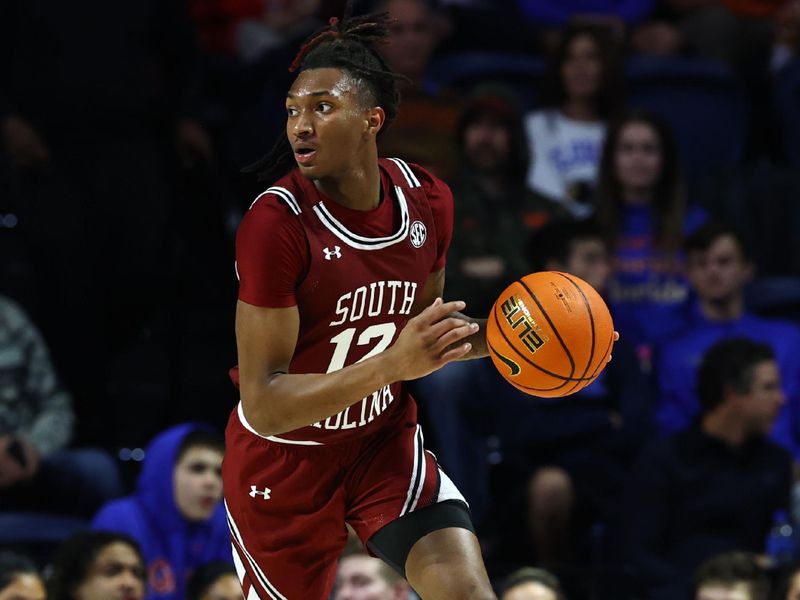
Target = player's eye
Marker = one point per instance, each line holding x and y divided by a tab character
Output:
291	112
324	107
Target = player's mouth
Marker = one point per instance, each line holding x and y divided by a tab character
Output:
304	155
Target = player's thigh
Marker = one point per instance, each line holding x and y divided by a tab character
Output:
447	564
285	508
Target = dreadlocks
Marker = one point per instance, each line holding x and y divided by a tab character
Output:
345	45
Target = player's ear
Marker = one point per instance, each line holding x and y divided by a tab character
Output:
376	117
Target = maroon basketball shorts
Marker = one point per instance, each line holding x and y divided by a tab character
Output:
288	503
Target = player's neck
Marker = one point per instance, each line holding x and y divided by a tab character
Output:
727	309
358	188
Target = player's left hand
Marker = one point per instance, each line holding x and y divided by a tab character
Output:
616	339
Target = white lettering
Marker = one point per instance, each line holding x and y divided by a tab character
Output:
341	310
374	311
387	396
346	424
393	285
408	301
363	420
330	425
375	409
360	296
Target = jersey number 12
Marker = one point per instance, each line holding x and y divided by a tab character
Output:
343	341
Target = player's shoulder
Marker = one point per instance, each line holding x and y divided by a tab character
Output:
278	208
284	196
411	175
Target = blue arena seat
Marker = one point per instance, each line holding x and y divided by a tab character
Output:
703	102
787	101
37	528
522	73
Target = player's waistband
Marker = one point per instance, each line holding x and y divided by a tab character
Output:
272	438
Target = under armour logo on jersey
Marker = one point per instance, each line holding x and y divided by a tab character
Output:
418	234
255	492
337	252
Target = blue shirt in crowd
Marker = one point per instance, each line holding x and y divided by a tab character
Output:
172	546
648	291
679	358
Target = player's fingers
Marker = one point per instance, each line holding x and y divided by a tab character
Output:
437	330
616	336
439	310
455	354
454	335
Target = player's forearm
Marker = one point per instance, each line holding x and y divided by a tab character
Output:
285	402
478	339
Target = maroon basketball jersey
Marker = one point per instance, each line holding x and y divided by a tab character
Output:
354	276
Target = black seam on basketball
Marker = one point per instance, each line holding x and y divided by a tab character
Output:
565	381
552	326
525	358
602	363
545	371
591	322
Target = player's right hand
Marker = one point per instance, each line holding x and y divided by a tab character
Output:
431	340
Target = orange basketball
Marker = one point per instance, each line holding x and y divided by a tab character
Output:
549	334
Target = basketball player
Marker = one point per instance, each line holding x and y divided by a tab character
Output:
341	267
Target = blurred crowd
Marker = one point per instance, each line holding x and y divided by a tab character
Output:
650	147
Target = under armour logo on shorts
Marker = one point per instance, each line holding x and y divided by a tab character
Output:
254	492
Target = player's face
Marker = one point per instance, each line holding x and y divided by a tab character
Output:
637	157
486	144
582	68
197	482
411	39
359	578
589	261
765	398
719	273
529	591
117	574
25	586
326	122
718	591
225	588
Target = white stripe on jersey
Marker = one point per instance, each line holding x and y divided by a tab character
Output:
283	194
361	242
409	174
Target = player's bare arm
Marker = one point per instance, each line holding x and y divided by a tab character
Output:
275	402
434	288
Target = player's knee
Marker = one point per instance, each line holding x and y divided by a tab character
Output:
550	489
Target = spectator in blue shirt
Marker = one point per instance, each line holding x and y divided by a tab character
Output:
715	486
176	514
641	205
718	268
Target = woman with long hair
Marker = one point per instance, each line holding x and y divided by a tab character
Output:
641	205
583	89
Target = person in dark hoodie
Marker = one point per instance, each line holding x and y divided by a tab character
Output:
176	514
